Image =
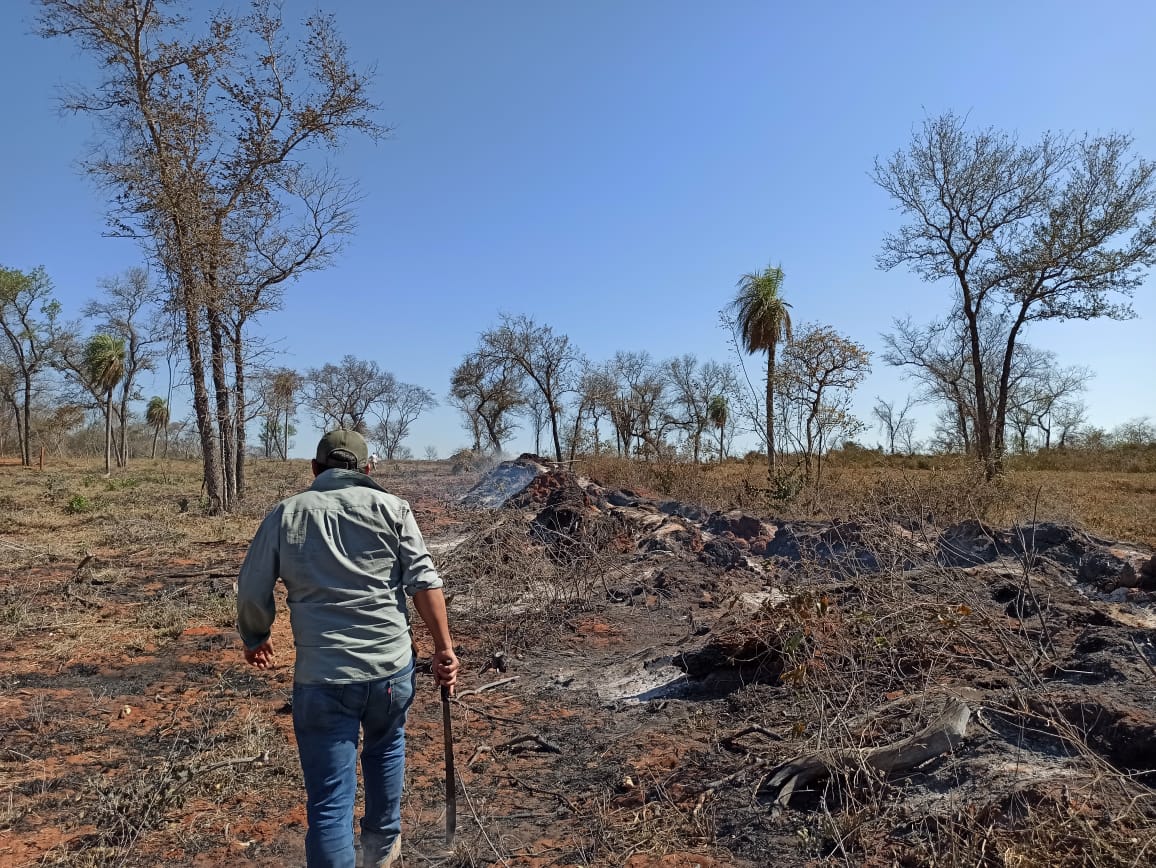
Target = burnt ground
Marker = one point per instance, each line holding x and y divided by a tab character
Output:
635	670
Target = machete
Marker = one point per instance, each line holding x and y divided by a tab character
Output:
451	778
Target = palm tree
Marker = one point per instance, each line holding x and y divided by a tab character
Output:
104	366
763	321
716	413
157	417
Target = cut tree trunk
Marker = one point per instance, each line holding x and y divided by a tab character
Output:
943	734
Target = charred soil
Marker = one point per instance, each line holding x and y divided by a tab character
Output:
644	679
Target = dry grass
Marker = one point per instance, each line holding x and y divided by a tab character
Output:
1110	503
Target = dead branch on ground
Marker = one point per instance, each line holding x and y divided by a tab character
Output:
943	734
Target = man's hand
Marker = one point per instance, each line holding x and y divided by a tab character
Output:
261	656
445	668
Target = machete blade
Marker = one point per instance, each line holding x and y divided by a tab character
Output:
451	778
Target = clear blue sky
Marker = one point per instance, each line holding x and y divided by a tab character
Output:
612	167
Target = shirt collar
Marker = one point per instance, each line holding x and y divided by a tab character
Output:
336	479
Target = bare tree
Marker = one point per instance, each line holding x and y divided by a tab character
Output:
204	157
1055	388
1139	431
488	392
820	371
638	409
585	406
344	395
537	410
897	426
396	413
935	358
692	388
1069	416
28	315
1060	229
596	386
546	359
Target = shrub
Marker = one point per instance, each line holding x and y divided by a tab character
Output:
78	504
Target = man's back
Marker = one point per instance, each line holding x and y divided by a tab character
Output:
348	553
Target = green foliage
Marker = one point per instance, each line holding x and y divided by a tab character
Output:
157	413
79	504
785	487
764	318
104	362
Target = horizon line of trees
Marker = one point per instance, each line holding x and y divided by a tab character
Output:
60	378
631	405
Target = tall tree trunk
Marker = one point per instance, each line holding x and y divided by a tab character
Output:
809	435
983	420
285	449
577	432
169	396
156	433
26	434
239	408
122	455
554	429
212	478
108	433
224	416
996	464
771	464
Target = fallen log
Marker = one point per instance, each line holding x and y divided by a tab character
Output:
941	735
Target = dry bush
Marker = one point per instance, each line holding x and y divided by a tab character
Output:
217	756
524	584
870	658
723	486
657	827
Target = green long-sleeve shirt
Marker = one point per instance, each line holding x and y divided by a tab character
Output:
346	550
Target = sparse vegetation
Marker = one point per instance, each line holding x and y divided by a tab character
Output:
132	613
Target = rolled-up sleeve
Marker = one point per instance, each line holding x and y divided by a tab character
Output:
256	607
417	567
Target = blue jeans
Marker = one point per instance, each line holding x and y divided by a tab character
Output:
327	719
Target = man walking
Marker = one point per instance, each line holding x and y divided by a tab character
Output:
349	554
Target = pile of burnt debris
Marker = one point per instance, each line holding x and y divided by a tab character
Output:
567	506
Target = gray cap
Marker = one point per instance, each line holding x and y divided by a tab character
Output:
339	447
